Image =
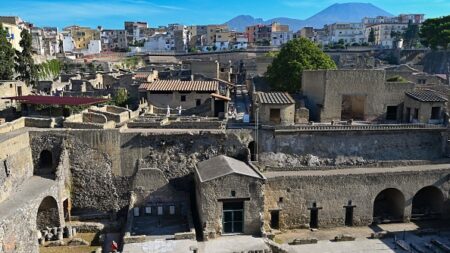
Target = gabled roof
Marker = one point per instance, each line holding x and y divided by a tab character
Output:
426	96
221	165
178	85
275	98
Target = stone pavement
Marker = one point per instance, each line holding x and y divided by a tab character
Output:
160	246
403	231
224	244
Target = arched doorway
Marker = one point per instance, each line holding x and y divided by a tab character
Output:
389	206
46	167
427	203
45	159
48	215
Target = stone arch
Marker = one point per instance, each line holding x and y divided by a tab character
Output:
389	206
46	165
48	214
427	203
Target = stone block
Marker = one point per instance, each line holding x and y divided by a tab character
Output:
299	241
344	238
77	242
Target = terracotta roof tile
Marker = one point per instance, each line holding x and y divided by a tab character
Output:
275	98
178	85
426	96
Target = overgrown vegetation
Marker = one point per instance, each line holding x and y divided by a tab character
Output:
285	72
49	69
397	79
121	98
132	62
435	32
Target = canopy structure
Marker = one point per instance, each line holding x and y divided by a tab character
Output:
53	100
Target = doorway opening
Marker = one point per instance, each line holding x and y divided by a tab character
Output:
275	219
233	217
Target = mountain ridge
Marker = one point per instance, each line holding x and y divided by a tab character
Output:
338	12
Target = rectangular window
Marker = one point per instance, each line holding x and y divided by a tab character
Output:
160	210
172	210
183	98
435	112
148	210
136	211
198	102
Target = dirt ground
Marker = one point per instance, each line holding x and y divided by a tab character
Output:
90	237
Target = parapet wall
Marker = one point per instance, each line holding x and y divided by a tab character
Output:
347	147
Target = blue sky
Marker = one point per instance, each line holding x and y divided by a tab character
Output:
112	13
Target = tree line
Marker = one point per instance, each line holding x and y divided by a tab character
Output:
19	65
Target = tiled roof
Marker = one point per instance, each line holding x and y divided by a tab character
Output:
426	96
221	165
275	98
144	86
178	85
141	75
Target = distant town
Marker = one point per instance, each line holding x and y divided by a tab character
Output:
256	136
137	37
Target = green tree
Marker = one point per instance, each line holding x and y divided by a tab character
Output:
91	67
24	60
6	56
435	32
411	35
121	97
285	72
372	36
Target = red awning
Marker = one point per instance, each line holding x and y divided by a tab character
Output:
53	100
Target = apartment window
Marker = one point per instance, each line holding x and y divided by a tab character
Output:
172	210
148	210
160	210
183	98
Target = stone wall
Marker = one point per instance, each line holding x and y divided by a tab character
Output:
22	194
210	209
16	164
103	163
90	117
325	91
287	113
332	190
13	125
316	149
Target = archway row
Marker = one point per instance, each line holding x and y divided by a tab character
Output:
389	205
